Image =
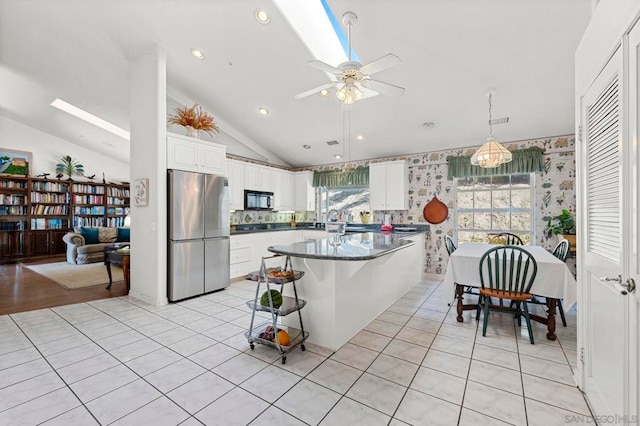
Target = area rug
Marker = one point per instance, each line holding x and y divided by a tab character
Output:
77	276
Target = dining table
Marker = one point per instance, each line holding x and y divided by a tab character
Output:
553	280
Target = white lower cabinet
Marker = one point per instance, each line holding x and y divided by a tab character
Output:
247	250
240	255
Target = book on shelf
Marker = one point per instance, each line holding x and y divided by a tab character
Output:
38	223
53	210
13	210
13	226
12	184
88	189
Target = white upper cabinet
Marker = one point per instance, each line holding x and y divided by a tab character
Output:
388	186
283	190
194	155
305	193
235	173
258	178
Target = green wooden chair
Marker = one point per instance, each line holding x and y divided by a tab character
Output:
560	251
507	272
449	244
511	239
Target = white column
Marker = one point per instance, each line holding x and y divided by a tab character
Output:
148	160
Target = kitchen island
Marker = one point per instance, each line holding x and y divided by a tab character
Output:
347	285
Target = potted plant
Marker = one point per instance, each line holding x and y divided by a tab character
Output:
564	226
70	167
365	216
194	119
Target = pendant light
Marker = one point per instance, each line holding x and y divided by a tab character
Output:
492	154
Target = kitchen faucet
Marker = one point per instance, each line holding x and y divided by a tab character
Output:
333	215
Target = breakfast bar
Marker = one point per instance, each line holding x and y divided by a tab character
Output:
350	280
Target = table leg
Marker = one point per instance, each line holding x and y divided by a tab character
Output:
460	297
551	318
125	272
107	263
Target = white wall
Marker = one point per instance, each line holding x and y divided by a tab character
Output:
47	151
148	153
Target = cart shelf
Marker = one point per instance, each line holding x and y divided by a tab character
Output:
296	337
254	276
288	306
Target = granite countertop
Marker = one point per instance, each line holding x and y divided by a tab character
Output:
361	246
241	229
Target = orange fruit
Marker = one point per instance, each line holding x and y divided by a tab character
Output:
283	338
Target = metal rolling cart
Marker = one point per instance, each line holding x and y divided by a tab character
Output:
260	333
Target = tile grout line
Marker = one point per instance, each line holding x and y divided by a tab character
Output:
63	381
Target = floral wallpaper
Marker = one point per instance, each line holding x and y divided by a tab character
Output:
427	176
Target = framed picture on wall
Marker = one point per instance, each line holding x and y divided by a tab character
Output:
14	162
141	192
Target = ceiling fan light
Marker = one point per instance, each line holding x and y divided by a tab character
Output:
349	94
492	154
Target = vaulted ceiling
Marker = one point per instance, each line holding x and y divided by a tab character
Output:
452	52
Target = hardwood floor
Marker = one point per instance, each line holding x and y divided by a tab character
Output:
21	290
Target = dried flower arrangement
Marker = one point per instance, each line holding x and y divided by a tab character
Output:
194	117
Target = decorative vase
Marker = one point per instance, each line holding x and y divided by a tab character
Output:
191	132
365	218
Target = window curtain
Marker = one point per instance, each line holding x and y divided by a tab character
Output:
341	178
527	160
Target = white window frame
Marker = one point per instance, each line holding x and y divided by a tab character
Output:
531	210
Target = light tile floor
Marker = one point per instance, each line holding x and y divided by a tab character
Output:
120	361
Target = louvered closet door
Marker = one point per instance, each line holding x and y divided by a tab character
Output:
602	308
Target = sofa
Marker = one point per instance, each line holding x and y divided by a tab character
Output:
86	245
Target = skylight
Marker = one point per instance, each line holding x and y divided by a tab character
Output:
90	118
318	29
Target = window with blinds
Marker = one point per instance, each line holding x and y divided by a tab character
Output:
603	174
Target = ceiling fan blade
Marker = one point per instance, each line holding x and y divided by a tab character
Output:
315	90
385	88
324	67
387	61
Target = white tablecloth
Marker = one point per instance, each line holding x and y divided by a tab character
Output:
552	280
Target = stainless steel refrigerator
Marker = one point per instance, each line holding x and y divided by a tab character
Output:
198	234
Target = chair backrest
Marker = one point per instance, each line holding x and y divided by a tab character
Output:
449	244
508	268
562	250
511	239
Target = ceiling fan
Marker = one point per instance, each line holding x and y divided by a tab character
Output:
352	77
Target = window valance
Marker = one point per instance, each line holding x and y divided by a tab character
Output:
529	160
340	178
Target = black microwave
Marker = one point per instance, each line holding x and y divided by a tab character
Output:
257	200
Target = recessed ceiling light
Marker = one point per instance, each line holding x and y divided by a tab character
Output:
263	111
262	16
359	137
429	124
198	54
338	156
324	93
90	118
306	146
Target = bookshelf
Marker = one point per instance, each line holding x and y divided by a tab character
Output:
117	205
36	213
87	203
14	205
